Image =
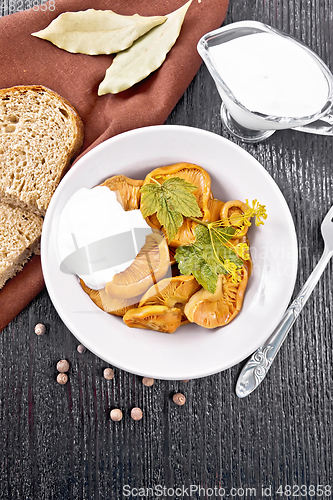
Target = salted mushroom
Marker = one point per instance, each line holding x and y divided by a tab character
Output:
171	292
215	206
195	175
159	318
232	214
211	310
240	240
127	190
172	255
149	266
111	305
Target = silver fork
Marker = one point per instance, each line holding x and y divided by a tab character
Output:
260	362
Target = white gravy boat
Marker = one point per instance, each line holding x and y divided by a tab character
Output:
252	126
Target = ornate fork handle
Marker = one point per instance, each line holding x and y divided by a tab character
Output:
260	362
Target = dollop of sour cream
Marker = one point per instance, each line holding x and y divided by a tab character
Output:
97	238
272	75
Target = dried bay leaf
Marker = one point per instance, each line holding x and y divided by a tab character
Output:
144	56
97	31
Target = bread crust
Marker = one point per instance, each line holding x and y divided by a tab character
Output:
37	88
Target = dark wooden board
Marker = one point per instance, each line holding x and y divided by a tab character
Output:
58	442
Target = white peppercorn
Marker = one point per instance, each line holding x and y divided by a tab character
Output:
40	329
116	414
179	399
63	366
148	382
108	373
62	378
136	413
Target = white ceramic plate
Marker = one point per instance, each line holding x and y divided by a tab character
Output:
191	351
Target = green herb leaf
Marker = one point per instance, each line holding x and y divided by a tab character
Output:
179	195
190	259
226	253
202	237
145	55
97	31
204	258
150	199
170	200
169	218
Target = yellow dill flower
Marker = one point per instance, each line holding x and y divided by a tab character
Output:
258	211
232	269
242	249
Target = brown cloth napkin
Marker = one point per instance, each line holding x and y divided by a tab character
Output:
27	60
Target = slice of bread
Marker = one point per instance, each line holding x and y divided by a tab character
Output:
19	238
40	132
